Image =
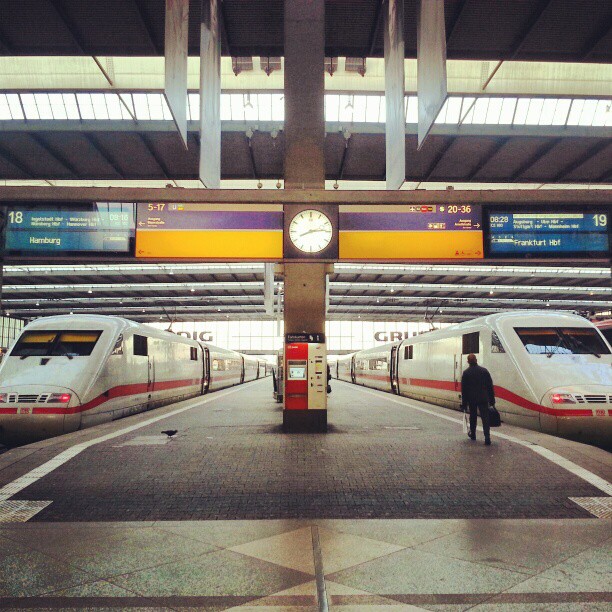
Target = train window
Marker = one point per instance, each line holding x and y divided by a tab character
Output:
562	341
409	352
56	344
470	343
193	353
141	345
496	345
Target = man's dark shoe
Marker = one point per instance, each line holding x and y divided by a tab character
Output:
471	436
488	442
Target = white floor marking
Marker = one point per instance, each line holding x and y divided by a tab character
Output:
12	488
570	466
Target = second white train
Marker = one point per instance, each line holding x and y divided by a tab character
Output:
552	371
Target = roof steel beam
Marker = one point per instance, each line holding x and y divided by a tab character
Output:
58	157
129	269
10	158
472	270
133	287
92	140
375	28
590	47
439	156
69	24
146	26
487	158
145	141
458	14
590	153
542	151
467	288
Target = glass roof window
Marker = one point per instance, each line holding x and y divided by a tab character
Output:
344	108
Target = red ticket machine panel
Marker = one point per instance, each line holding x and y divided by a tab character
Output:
296	376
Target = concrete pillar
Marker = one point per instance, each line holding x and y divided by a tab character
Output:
304	169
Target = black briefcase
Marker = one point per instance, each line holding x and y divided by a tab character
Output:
494	418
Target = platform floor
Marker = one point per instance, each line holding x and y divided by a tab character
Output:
394	507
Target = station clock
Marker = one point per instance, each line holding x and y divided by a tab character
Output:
310	232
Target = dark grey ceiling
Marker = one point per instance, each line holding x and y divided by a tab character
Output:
149	154
542	30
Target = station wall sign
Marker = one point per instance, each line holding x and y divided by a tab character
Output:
411	232
92	227
547	233
209	231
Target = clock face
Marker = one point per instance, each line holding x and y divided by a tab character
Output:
310	231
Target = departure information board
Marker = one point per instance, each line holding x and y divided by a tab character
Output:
209	231
104	227
548	234
411	232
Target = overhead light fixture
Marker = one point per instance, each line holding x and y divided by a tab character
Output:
90	291
192	290
246	101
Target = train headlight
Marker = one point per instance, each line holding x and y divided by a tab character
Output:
59	398
3	398
563	398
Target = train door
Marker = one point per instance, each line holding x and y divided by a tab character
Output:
205	369
393	371
457	372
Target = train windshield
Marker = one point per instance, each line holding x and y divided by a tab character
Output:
561	341
56	344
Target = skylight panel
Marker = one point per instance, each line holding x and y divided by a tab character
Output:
193	107
141	106
58	109
346	109
332	107
534	112
264	106
237	107
225	110
85	106
548	111
441	118
372	109
249	103
588	112
506	115
453	110
44	107
114	106
600	115
480	111
71	106
278	107
156	109
575	112
494	111
166	108
412	113
522	108
125	102
561	111
98	101
467	110
359	111
5	111
609	113
383	109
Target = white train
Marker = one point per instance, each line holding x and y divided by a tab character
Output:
552	371
70	372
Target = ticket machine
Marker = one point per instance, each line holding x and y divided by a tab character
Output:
305	382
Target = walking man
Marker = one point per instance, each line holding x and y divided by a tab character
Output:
477	394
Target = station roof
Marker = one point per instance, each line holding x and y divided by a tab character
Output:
534	30
187	292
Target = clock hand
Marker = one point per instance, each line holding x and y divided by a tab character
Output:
313	231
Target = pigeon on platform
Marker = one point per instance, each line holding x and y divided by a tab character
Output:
170	432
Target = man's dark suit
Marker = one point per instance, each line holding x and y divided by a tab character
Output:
477	393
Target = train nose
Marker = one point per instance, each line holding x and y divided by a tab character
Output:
36	412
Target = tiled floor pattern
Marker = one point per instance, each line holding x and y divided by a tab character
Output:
368	565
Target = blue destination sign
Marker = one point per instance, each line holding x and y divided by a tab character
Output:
107	229
572	233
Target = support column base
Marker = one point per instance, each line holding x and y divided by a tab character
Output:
305	421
